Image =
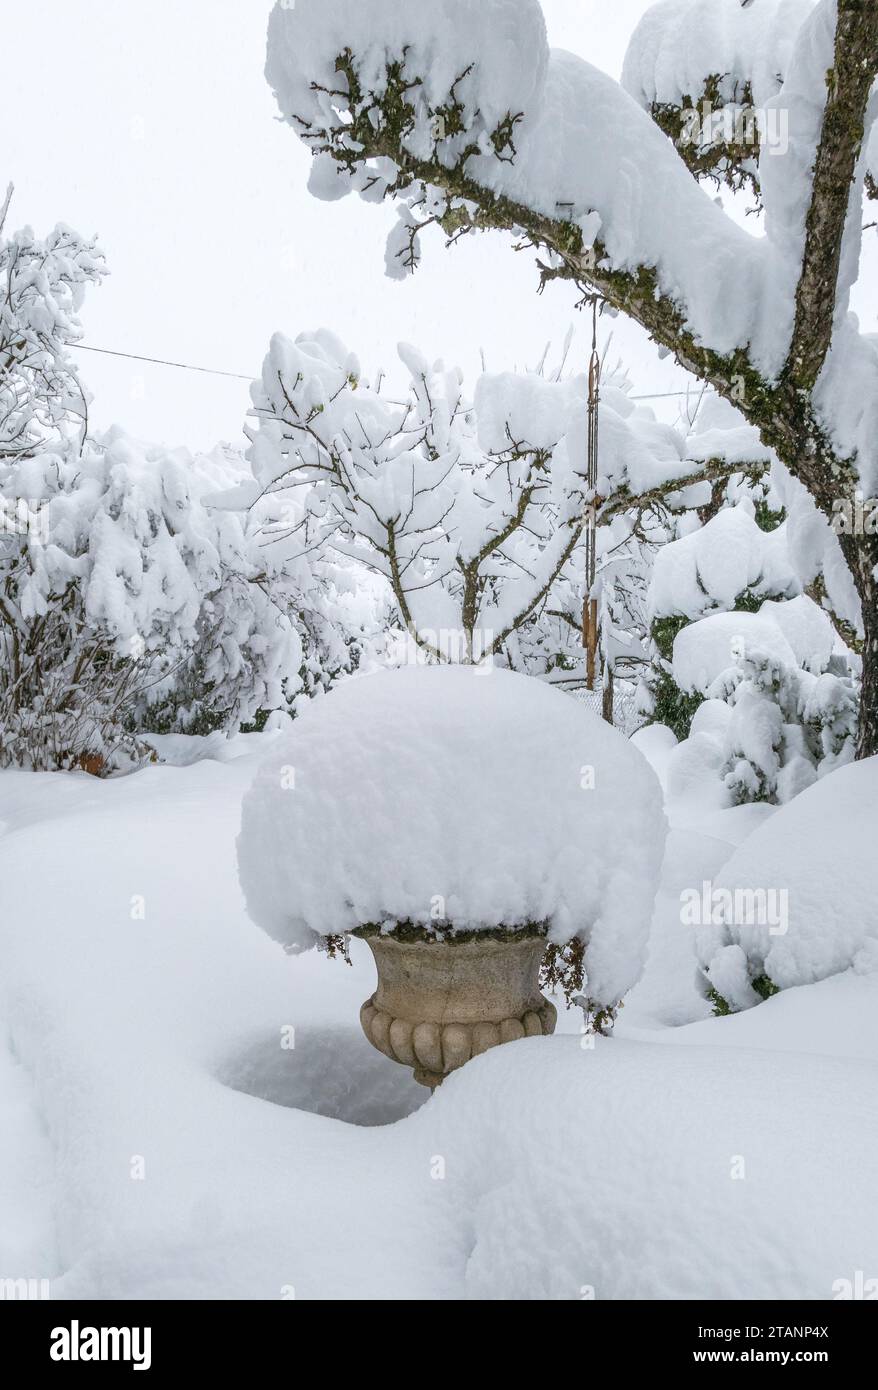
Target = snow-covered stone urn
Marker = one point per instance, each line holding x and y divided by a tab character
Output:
457	819
441	1001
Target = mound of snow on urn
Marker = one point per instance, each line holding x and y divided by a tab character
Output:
453	803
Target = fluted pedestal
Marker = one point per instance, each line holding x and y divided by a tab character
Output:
439	1003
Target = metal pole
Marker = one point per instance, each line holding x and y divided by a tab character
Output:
590	605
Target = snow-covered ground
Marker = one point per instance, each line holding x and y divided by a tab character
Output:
161	1138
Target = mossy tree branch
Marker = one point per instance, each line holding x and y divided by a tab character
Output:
849	83
376	128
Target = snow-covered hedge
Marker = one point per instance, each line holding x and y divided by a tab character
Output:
454	798
732	629
129	603
768	726
729	563
780	699
812	866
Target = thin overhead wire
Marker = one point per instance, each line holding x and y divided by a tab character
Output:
244	376
661	395
161	362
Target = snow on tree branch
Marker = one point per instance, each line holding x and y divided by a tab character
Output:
708	72
545	137
561	155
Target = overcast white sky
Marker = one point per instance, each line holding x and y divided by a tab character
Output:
152	125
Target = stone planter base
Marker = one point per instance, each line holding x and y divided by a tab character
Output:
439	1003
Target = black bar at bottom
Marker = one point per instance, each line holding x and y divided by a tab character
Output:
159	1338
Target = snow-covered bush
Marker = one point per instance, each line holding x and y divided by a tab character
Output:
779	682
730	628
728	564
471	510
43	284
796	902
129	604
781	700
470	515
453	799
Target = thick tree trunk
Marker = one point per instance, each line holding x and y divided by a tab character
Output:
867	738
861	553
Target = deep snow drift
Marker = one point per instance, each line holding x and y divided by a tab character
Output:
161	1136
819	850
